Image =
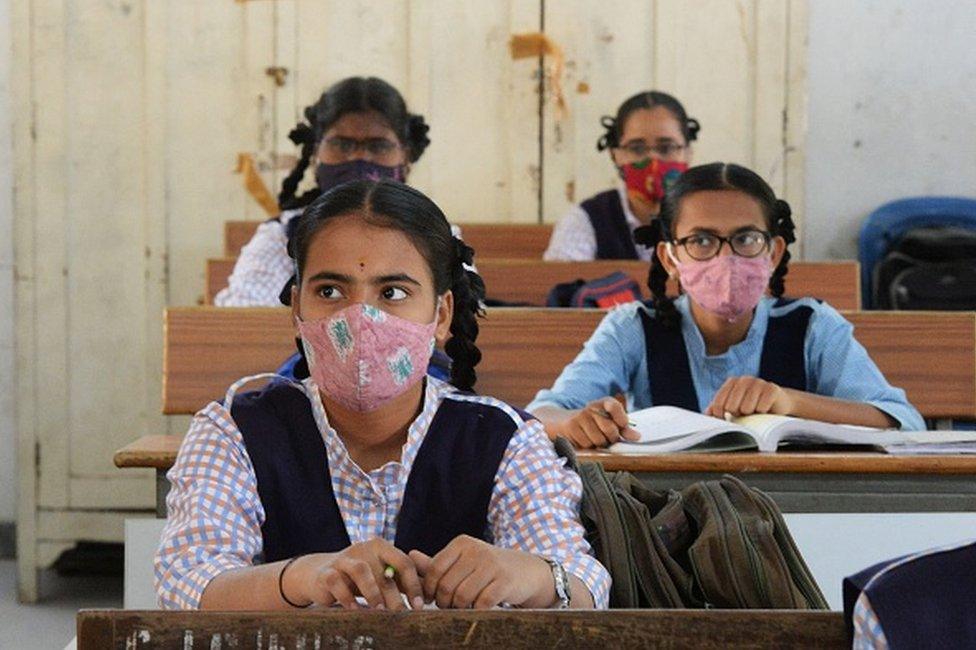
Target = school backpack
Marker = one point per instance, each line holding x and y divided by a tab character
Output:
603	293
930	268
716	543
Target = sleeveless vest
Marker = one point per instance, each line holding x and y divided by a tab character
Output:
614	236
446	495
782	362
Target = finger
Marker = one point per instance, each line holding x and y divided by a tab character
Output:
617	412
362	577
588	423
471	587
422	562
733	404
605	428
439	565
491	596
577	435
717	407
337	589
406	577
750	400
767	399
448	585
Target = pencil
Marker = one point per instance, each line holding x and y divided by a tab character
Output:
606	414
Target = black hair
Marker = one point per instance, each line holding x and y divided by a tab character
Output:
390	204
351	95
648	99
713	176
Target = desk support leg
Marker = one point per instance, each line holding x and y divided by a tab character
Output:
162	489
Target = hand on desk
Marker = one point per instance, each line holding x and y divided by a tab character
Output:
600	423
749	395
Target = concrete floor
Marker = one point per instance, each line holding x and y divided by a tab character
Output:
50	623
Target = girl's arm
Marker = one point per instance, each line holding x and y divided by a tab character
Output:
261	270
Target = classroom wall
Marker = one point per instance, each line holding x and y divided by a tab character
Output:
892	91
7	437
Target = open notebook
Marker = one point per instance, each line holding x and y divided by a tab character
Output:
667	429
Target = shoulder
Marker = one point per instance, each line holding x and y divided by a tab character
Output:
496	411
286	217
602	201
824	320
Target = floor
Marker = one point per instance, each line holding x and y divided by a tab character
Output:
50	623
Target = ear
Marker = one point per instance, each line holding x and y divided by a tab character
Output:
613	156
666	261
296	308
445	315
406	170
779	248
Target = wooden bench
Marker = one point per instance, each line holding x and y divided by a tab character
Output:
528	241
529	281
932	355
471	629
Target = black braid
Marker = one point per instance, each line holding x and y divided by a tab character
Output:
657	277
469	294
304	135
782	226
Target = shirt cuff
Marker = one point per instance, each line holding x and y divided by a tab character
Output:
186	591
593	575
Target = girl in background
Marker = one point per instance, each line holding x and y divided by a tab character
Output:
650	145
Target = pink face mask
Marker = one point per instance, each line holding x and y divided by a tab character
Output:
726	285
363	357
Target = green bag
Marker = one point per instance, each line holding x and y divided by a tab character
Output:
716	543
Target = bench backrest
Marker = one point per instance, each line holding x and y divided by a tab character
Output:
519	240
932	355
529	281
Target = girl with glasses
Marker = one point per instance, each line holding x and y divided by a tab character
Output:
730	344
649	142
360	128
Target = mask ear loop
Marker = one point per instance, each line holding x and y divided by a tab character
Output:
669	247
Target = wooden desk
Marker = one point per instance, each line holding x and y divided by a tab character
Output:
799	482
524	241
529	281
493	629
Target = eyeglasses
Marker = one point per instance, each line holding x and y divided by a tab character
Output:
703	246
375	148
640	149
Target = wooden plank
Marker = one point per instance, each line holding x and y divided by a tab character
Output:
502	240
472	629
159	452
932	355
529	281
84	525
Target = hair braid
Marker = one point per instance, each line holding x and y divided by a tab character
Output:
468	290
784	227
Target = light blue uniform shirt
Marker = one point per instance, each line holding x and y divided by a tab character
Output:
614	361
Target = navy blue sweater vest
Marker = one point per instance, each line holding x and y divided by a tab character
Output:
614	237
783	359
926	602
446	495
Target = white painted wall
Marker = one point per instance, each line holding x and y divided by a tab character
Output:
8	476
892	111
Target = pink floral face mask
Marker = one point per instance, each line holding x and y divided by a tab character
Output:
726	285
363	357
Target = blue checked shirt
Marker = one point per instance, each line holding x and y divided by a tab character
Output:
215	514
614	361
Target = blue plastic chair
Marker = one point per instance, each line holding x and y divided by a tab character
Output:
885	225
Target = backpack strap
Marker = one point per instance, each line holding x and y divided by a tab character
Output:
614	237
667	365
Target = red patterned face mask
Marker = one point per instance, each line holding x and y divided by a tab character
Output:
649	179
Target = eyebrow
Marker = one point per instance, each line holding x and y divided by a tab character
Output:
712	231
348	279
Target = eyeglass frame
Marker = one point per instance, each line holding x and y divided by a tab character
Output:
671	149
683	242
358	145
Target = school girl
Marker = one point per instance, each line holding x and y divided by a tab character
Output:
359	128
722	346
650	145
368	479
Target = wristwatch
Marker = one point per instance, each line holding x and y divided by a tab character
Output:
561	580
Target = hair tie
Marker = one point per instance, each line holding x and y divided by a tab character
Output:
302	134
465	253
609	138
693	128
649	235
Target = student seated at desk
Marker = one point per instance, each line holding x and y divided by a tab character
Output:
722	347
359	128
650	145
307	493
